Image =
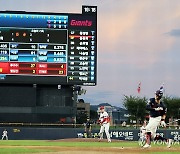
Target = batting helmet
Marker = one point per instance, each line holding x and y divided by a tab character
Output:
159	93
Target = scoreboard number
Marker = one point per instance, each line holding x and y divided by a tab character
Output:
33	65
61	72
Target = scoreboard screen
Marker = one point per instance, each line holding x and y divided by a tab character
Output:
48	48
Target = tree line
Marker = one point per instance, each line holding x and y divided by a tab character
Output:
136	107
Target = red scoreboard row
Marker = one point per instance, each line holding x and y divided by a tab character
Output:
33	68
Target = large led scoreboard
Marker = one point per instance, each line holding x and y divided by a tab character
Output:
48	48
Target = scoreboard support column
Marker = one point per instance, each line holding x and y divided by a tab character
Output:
37	103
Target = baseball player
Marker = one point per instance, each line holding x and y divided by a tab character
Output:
142	133
88	128
157	111
104	121
5	134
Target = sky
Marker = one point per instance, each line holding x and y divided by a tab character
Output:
138	41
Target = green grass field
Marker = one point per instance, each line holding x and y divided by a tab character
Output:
41	146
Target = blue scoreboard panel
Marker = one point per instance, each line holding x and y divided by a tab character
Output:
48	48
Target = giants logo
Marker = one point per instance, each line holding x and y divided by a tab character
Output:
85	23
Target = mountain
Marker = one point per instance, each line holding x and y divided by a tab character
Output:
95	107
104	104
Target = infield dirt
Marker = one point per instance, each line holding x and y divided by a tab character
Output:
107	150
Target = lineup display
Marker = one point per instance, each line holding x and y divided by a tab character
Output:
48	48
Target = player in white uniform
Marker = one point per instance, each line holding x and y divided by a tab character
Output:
5	134
104	121
143	133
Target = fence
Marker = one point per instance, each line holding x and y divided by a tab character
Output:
54	132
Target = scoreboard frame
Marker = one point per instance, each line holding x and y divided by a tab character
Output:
49	48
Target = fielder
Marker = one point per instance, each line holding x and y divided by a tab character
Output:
157	111
104	121
5	134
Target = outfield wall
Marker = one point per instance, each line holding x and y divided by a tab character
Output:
28	133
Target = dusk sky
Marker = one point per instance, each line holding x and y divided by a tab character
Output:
138	41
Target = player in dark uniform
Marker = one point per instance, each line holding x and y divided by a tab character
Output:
88	128
157	111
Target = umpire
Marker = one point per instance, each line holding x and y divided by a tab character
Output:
88	128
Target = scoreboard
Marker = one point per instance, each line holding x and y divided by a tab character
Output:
48	48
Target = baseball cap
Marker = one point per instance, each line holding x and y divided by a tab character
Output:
102	107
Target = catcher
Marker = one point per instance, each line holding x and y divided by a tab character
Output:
142	138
